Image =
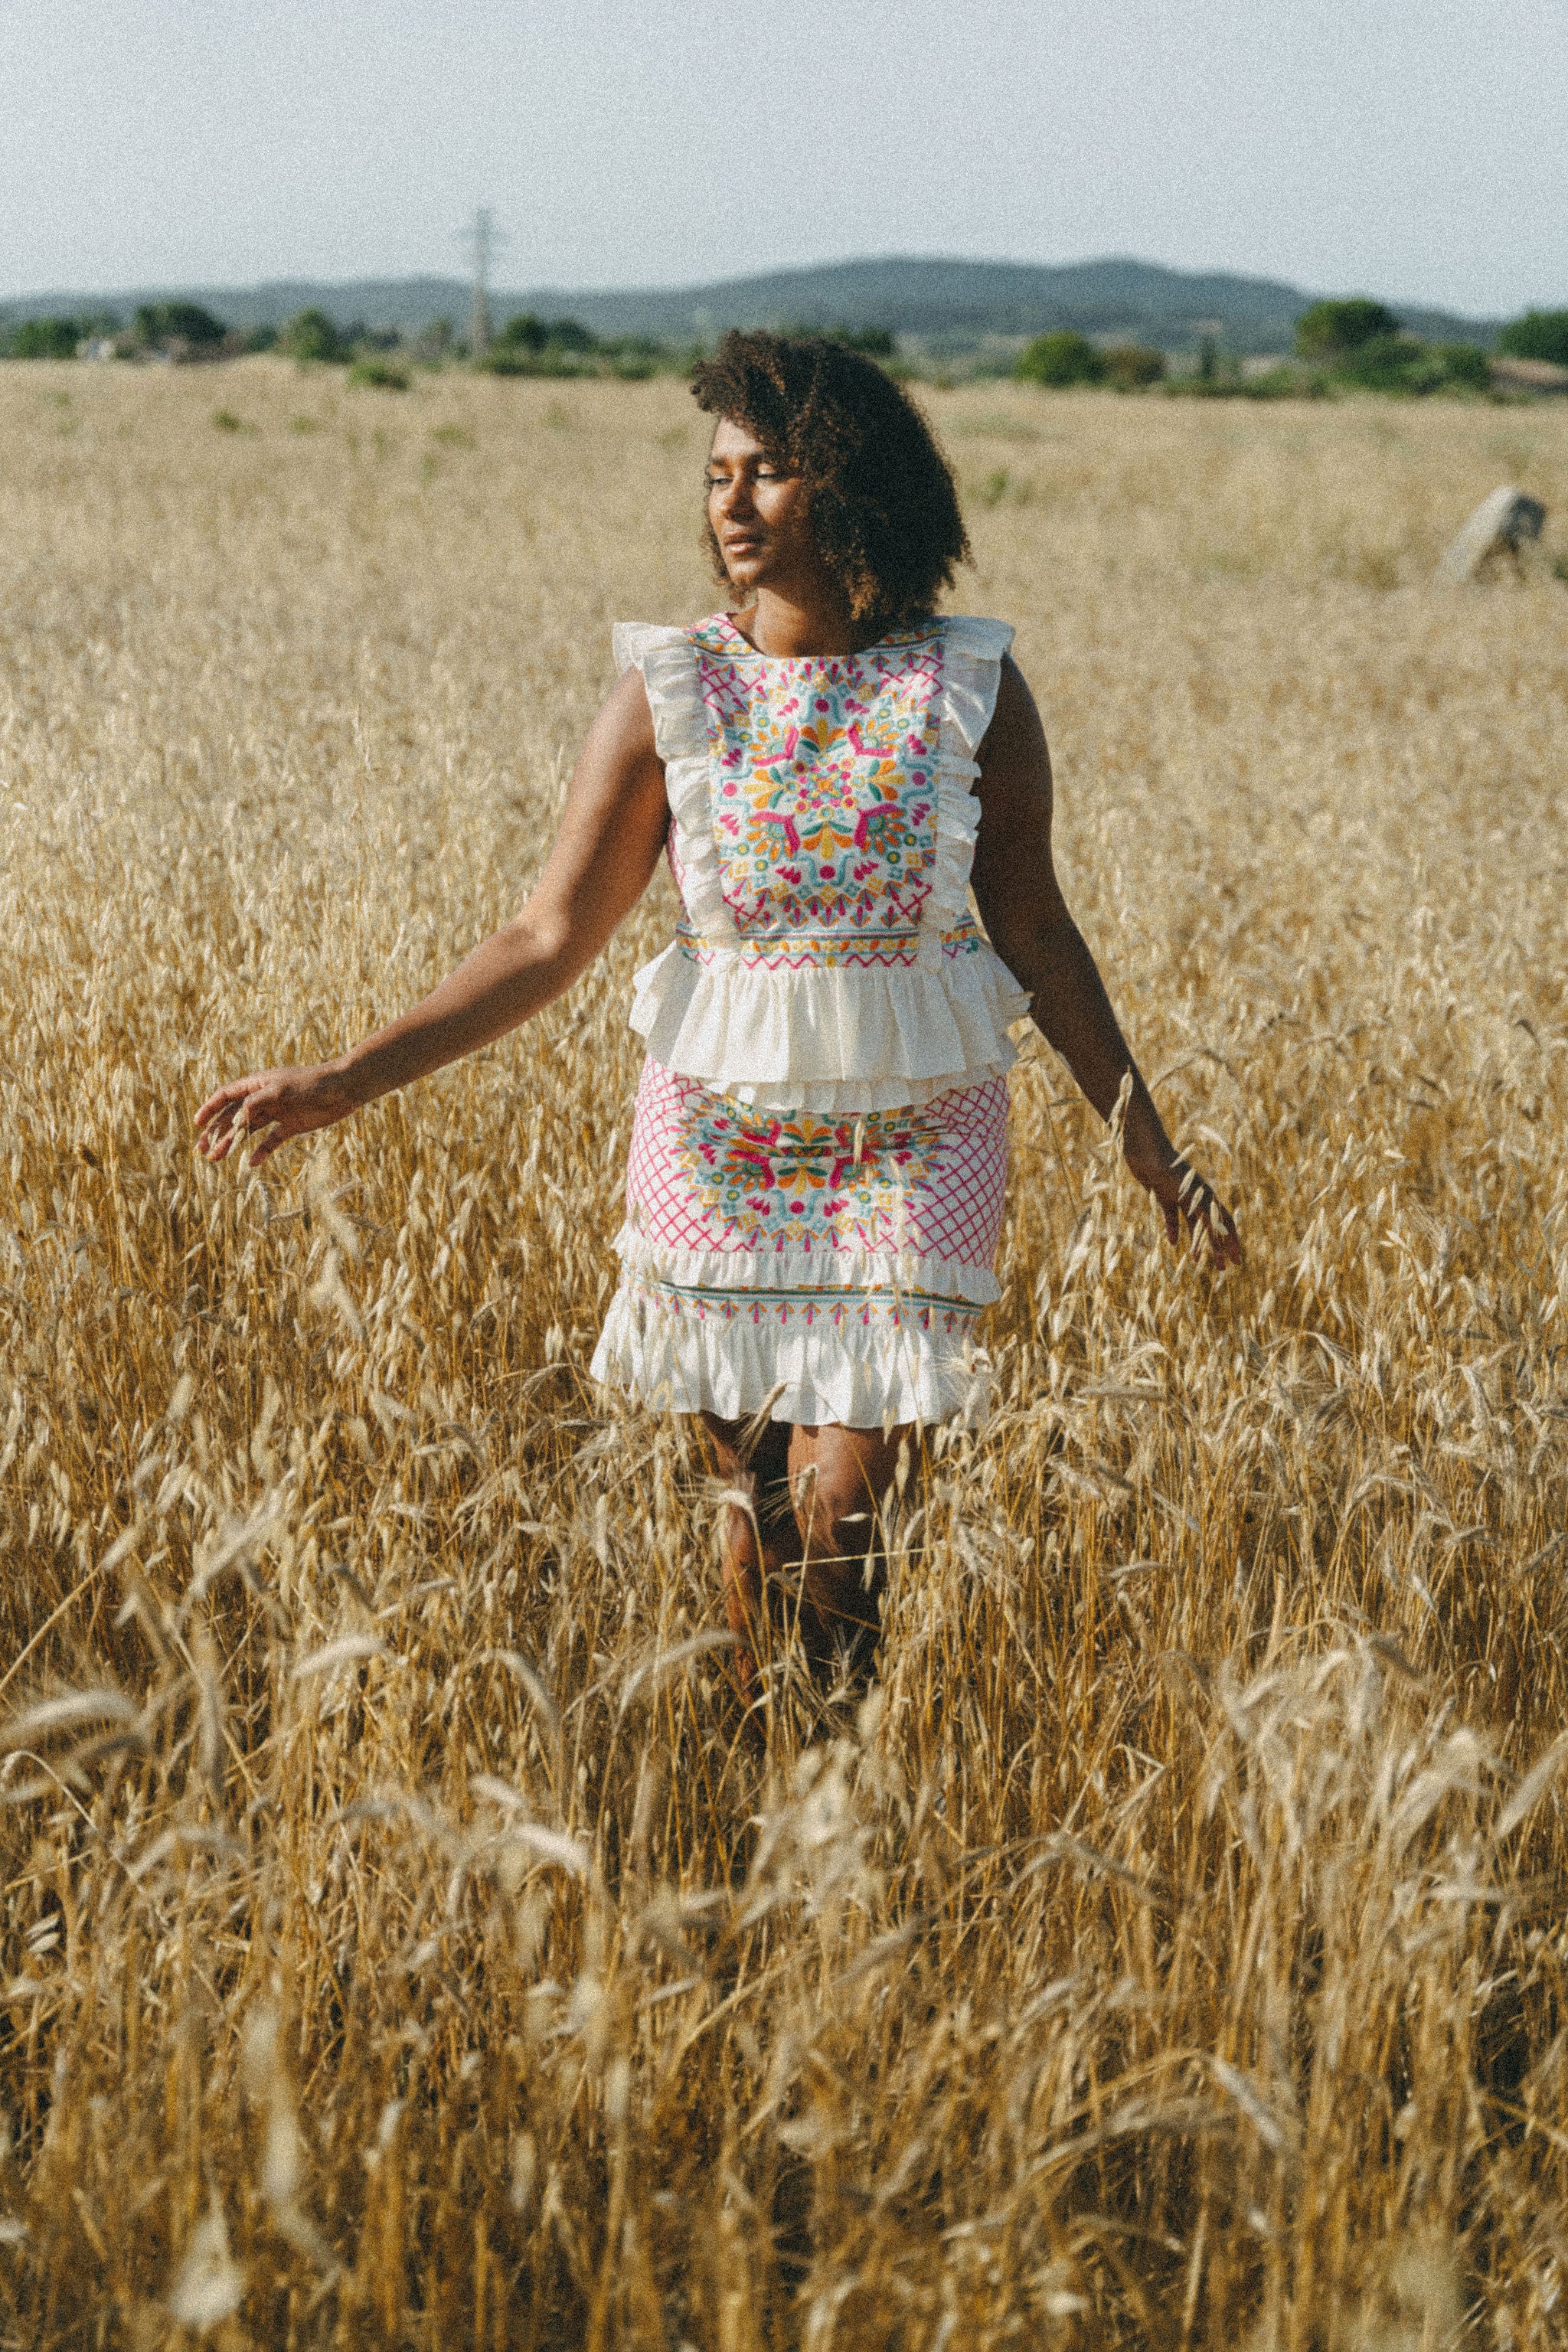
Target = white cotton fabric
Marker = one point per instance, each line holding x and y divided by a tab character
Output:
862	1376
841	1037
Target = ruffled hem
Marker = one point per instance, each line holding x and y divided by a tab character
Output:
861	1376
844	1276
829	1037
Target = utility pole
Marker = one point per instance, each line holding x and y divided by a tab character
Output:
482	239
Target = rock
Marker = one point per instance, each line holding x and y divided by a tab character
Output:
1498	526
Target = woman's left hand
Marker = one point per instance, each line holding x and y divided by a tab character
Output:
1181	1193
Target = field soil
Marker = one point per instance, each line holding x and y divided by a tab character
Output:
400	1946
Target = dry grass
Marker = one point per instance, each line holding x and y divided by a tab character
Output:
396	1948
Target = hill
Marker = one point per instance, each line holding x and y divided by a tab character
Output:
943	304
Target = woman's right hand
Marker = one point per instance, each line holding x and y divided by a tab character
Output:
275	1106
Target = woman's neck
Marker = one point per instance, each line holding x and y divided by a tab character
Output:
788	628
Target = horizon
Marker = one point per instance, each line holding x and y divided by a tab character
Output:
563	290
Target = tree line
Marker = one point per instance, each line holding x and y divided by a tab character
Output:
1350	343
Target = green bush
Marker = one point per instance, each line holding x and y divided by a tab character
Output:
1130	367
528	346
1464	366
1383	363
310	335
523	333
872	342
1059	359
1539	335
379	374
1402	363
44	338
527	334
161	323
1330	329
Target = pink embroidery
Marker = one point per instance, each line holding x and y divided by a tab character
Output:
825	790
708	1173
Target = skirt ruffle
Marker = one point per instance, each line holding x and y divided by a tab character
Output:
871	1361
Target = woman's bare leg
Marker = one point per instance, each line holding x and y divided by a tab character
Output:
760	1469
838	1478
815	1497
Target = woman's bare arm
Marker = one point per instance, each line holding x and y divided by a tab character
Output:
611	834
1022	907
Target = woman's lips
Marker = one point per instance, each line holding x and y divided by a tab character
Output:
743	544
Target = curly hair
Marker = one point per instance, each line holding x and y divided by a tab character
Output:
884	511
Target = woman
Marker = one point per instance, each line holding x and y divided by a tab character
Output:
818	1155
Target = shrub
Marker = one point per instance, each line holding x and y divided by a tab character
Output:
1060	358
46	339
1383	364
1330	328
159	324
1539	335
528	333
1464	366
1402	363
310	335
528	346
379	374
872	342
1131	366
524	333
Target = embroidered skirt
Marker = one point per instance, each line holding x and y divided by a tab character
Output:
836	1265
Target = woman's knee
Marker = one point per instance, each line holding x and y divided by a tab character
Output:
837	1479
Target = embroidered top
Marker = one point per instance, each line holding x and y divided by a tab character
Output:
823	829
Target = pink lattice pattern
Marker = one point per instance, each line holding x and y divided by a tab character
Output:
706	1172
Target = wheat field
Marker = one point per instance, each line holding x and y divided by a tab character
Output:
400	1947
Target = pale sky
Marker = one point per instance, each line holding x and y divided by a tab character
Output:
1411	149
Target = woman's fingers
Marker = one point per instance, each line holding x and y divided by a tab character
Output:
223	1099
1212	1221
267	1109
1183	1192
235	1111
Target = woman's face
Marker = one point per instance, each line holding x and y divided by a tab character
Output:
760	513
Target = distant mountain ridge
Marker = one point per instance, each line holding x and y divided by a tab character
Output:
951	304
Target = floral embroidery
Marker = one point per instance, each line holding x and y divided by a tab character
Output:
708	1173
849	1181
824	793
